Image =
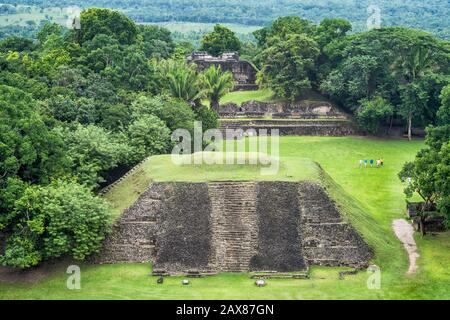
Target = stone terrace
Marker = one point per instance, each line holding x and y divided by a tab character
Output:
313	118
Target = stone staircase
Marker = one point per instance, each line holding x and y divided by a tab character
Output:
327	239
234	225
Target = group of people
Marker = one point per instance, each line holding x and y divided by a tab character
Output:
379	163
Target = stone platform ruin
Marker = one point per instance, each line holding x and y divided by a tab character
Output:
303	118
204	228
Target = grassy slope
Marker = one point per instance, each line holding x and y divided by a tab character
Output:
377	190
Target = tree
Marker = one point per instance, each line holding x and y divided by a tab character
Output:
132	71
414	102
96	21
282	27
182	49
220	40
28	148
82	110
429	173
48	29
420	175
371	63
443	114
413	64
92	151
55	220
352	81
181	81
156	41
216	84
102	51
148	136
371	112
410	67
176	113
288	65
18	44
208	117
443	182
331	29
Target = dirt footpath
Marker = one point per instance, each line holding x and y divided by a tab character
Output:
405	232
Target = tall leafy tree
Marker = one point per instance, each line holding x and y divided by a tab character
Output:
147	136
411	67
156	41
414	101
353	80
220	40
96	21
92	151
429	173
28	148
288	65
283	27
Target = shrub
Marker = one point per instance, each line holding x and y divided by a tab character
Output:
63	218
91	151
148	136
208	117
176	113
371	112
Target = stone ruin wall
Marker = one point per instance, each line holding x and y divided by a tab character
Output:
234	227
304	128
298	110
304	118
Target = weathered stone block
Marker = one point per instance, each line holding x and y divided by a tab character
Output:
184	228
280	243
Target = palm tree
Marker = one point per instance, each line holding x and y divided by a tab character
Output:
216	84
183	81
410	67
413	64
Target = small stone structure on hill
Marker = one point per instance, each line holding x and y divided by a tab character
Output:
244	72
191	228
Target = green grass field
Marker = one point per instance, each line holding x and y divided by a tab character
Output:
378	192
32	13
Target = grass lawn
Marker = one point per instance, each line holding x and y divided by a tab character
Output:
238	97
265	95
378	192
